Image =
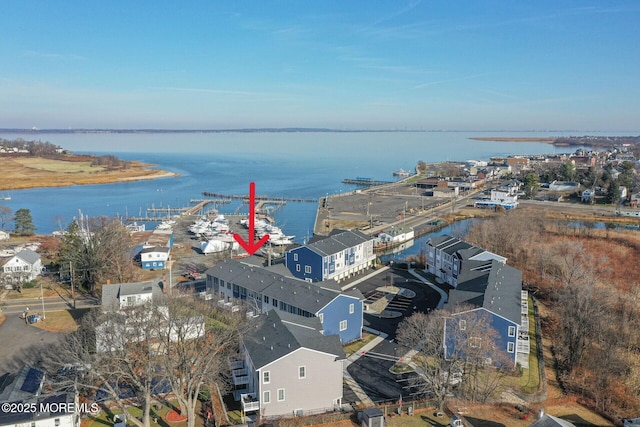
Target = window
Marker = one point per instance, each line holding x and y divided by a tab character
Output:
511	347
266	397
321	316
266	299
512	331
302	372
462	325
297	267
280	394
343	325
266	377
307	269
352	308
295	257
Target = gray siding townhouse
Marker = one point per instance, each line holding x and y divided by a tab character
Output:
286	367
267	288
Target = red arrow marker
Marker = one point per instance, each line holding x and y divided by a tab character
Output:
251	247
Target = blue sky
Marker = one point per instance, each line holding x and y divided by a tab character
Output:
465	65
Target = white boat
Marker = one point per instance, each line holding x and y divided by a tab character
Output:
5	197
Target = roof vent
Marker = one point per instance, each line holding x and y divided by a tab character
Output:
271	347
264	338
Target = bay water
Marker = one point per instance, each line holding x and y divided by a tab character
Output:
307	165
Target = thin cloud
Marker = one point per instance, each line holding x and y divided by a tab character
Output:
227	92
458	79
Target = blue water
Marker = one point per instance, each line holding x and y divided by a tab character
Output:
305	165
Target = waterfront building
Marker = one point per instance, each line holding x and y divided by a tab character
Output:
485	285
234	282
338	257
286	366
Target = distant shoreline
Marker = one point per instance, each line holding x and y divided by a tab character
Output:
516	139
26	172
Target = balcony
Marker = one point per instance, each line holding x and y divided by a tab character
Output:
249	402
240	376
235	362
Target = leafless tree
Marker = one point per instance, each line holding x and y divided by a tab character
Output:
453	349
194	352
582	302
98	249
6	216
113	355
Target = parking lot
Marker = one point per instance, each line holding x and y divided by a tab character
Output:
372	369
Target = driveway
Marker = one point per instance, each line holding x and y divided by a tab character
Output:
371	370
21	343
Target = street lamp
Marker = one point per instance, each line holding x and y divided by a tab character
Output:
42	299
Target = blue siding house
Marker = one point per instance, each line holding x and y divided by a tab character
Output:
337	257
491	288
235	282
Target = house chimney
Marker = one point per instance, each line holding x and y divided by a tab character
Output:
540	413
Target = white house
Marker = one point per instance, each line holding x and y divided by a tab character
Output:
4	235
119	296
397	234
22	267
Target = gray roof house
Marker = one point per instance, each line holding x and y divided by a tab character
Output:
484	283
448	257
118	296
264	288
22	267
339	256
287	367
25	388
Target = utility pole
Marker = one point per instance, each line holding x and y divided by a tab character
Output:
42	299
170	284
73	290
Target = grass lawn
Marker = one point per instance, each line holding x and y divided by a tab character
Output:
353	347
60	166
105	417
62	321
421	418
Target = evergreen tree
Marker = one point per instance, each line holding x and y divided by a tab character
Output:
23	223
531	185
613	192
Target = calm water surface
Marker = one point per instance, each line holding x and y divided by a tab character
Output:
306	165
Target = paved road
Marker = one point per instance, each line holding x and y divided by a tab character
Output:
17	306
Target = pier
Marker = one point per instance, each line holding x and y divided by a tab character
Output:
365	182
259	198
160	214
